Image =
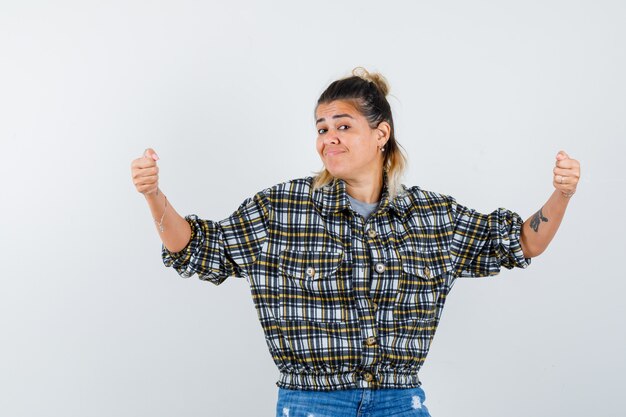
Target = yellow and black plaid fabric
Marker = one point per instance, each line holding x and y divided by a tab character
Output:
345	303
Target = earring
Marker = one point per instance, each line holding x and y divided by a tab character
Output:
382	149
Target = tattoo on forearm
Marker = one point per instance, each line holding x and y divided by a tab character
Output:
537	218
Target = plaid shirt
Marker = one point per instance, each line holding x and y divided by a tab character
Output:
347	303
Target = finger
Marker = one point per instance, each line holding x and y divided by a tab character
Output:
568	172
139	173
562	155
143	165
564	182
146	172
144	162
574	174
150	179
150	154
567	163
560	179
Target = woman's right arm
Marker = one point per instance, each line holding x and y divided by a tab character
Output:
214	250
176	232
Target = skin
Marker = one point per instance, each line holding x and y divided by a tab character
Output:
145	175
350	150
540	228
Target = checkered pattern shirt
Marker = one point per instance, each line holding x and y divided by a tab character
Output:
347	303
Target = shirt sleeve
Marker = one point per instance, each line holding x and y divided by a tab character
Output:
218	250
483	243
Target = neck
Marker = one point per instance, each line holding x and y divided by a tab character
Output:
367	188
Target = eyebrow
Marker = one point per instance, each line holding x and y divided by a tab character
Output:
337	116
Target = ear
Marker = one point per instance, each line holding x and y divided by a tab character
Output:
384	132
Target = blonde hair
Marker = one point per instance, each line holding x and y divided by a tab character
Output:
368	92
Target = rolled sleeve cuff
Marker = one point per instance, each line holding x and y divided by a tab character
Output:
506	227
179	260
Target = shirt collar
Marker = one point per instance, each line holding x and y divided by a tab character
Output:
333	198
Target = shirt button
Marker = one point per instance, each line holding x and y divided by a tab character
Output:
371	233
310	271
368	376
427	271
370	341
380	267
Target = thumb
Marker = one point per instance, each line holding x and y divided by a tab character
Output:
561	156
149	153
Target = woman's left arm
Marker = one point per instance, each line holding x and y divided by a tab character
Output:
540	228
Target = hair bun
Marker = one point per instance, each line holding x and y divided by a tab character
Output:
374	77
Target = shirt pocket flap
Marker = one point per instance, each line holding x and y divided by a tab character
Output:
426	264
309	264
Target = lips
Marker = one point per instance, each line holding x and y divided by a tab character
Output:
333	152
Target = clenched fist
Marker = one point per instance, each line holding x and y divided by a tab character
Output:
145	173
566	174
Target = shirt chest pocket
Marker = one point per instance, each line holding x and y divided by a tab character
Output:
422	281
313	287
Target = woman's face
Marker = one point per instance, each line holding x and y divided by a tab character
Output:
349	148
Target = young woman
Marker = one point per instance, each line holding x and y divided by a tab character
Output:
349	270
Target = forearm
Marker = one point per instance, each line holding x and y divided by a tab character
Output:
176	231
539	229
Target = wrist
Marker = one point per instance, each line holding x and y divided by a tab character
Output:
159	223
153	196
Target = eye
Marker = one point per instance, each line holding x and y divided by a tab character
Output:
322	130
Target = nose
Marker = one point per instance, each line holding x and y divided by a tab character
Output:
331	137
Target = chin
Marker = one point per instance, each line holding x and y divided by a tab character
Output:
337	173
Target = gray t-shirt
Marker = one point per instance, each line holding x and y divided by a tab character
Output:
364	209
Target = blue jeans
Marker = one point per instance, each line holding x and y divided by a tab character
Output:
361	402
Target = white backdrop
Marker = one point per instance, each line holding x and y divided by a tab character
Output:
484	93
